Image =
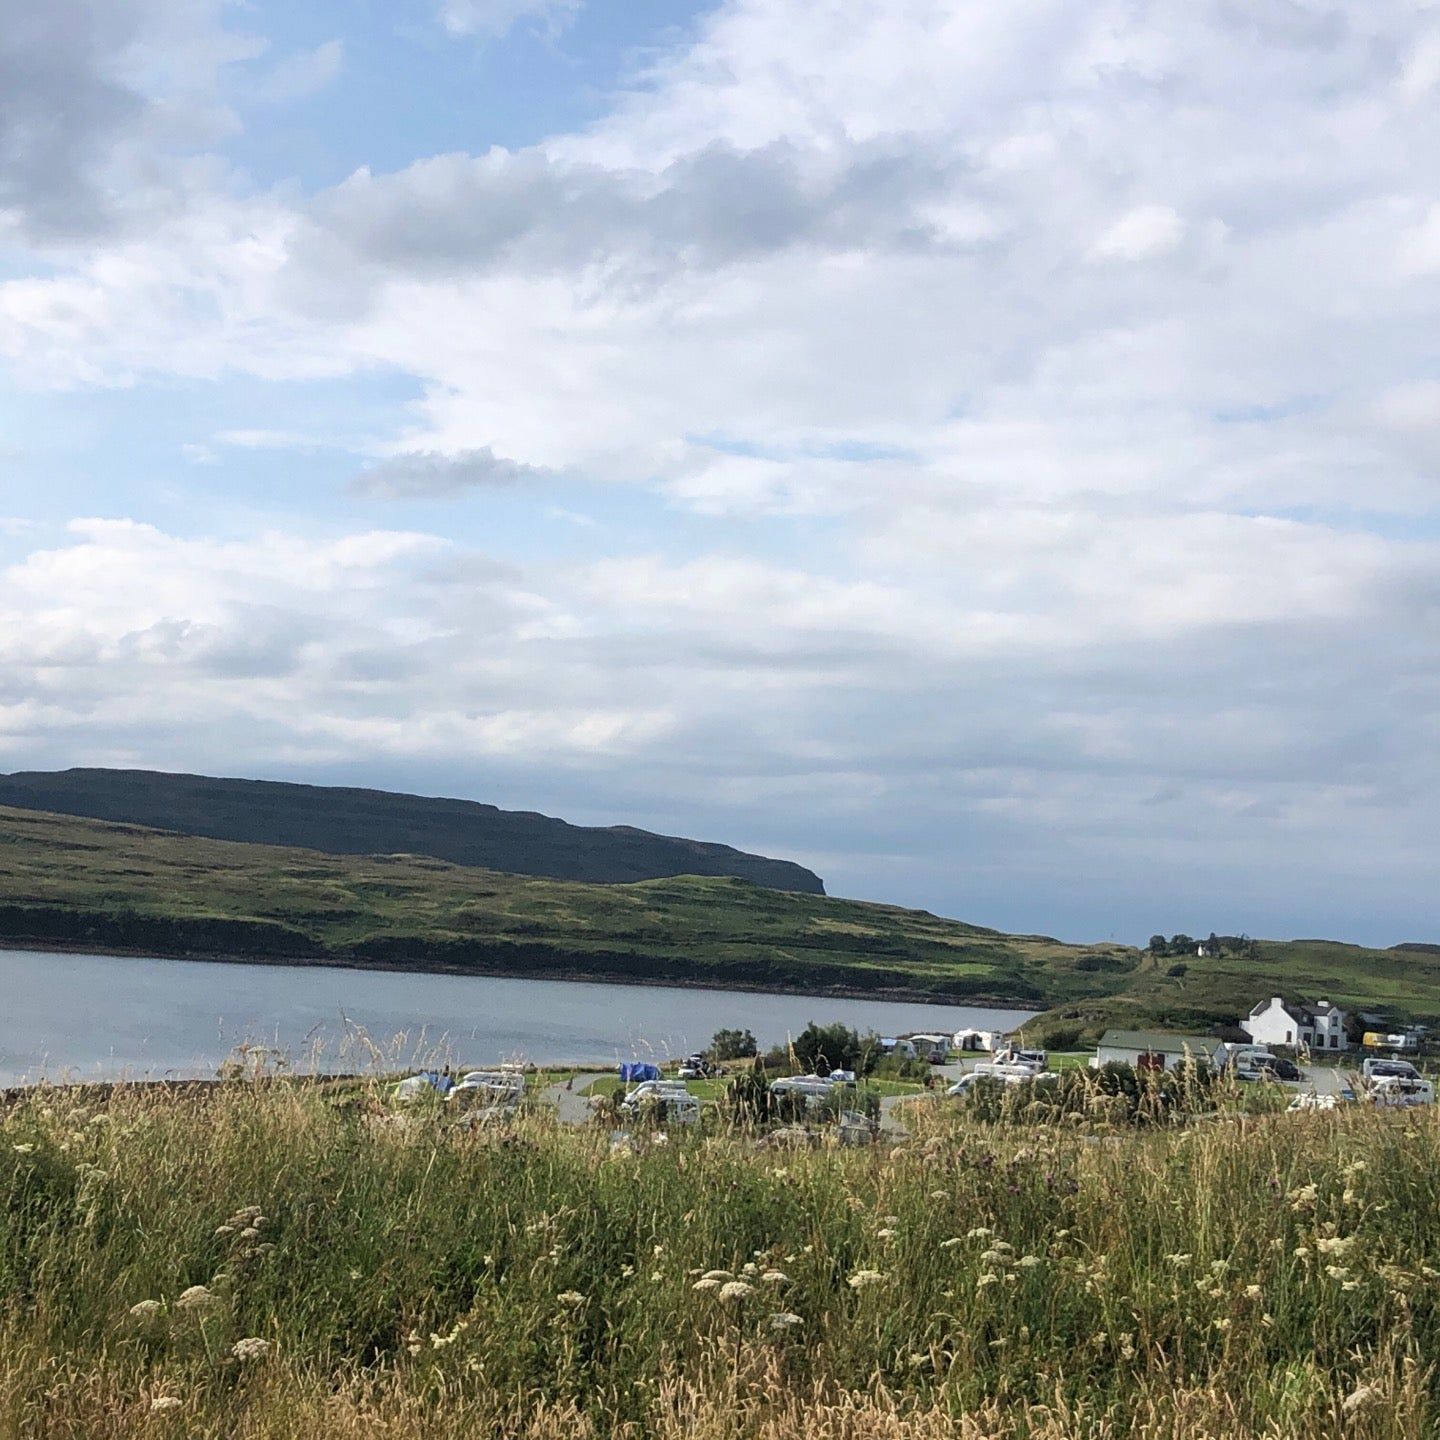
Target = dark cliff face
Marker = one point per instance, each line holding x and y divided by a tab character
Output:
374	822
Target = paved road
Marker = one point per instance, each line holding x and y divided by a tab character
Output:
1328	1079
573	1107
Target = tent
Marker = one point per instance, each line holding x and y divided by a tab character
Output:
638	1070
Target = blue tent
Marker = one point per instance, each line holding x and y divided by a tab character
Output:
639	1070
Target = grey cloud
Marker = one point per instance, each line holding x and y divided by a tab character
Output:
60	113
85	149
426	475
531	212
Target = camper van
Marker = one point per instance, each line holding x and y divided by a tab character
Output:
1375	1069
1402	1090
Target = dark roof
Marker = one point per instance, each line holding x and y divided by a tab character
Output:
1301	1011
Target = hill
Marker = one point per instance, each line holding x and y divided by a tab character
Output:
76	883
83	884
345	821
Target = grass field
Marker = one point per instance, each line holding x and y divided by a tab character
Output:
86	884
277	1262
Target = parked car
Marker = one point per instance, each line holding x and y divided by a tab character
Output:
1275	1067
503	1088
1030	1061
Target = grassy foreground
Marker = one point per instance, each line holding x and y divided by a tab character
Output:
366	1276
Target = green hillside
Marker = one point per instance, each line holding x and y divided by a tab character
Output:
77	883
347	821
81	882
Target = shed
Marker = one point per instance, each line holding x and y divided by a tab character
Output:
1155	1049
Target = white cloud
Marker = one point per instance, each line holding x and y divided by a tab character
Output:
300	75
942	519
496	18
1144	233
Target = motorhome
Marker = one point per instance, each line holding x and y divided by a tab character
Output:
1003	1074
1401	1090
1375	1068
816	1090
970	1039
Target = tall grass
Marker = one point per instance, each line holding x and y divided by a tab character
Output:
412	1278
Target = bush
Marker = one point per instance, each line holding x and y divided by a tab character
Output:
732	1045
1061	1037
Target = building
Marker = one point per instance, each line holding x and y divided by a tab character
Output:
934	1048
1278	1021
1155	1049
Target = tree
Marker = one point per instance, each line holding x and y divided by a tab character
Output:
823	1048
733	1045
1159	945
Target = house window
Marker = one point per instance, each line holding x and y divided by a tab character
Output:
1334	1042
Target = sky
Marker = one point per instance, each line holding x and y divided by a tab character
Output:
987	453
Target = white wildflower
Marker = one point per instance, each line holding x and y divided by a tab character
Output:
250	1348
161	1403
1359	1398
785	1320
571	1298
775	1277
707	1283
145	1310
864	1279
733	1291
198	1299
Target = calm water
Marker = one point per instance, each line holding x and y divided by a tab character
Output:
94	1017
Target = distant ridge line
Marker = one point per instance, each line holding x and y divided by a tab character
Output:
349	820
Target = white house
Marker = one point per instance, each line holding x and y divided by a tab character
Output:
1156	1050
1278	1021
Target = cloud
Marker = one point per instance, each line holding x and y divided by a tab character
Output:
1075	488
95	126
1144	233
426	475
496	18
300	75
